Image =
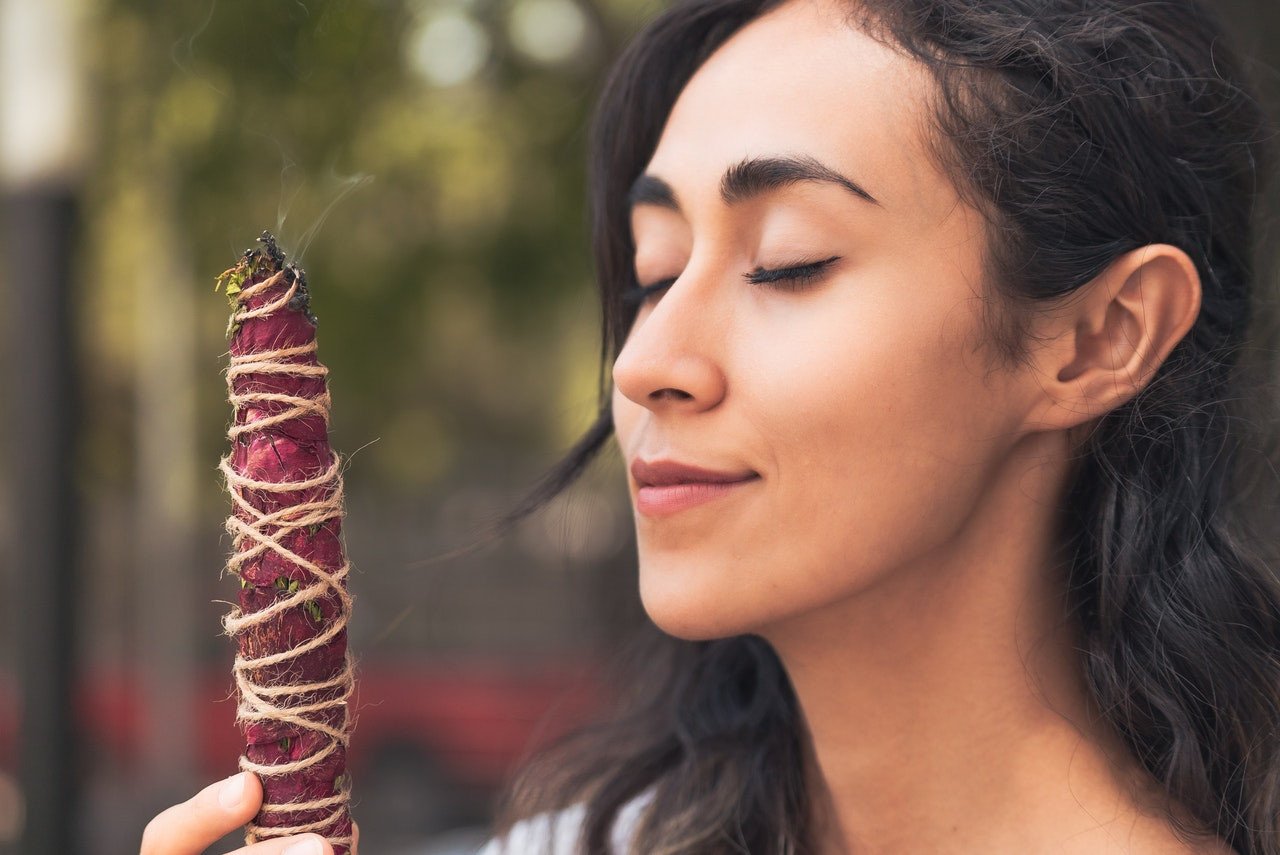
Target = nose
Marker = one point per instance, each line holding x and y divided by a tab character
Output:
671	359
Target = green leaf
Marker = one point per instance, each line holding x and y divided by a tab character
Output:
313	609
233	277
284	743
293	585
232	282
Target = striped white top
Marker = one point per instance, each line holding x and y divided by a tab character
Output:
560	829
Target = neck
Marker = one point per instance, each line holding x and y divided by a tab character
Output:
946	703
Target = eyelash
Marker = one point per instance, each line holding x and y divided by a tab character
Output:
796	278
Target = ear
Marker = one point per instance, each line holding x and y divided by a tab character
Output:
1103	344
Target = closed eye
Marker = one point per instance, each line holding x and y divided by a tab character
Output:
782	278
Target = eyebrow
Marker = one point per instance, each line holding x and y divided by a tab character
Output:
748	179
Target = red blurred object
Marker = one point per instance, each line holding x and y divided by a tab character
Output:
469	720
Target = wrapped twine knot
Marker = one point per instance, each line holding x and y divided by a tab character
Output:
280	689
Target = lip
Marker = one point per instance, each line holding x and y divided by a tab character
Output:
665	487
664	473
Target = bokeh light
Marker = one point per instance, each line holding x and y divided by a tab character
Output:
448	48
548	31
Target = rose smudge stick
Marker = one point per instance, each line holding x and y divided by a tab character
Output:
293	671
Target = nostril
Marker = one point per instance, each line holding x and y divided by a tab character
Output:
679	394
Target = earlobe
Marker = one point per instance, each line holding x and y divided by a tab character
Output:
1110	338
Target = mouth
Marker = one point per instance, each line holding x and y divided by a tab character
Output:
667	489
665	473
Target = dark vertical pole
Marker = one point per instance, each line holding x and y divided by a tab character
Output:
38	226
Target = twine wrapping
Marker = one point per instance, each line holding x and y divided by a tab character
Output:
293	672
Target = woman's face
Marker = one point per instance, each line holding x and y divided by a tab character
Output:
862	398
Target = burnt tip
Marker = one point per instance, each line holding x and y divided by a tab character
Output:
272	249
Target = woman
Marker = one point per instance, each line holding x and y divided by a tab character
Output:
948	297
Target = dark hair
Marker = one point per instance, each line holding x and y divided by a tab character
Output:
1081	129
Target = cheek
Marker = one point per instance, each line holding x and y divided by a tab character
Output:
884	432
875	439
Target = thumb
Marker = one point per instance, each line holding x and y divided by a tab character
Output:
190	827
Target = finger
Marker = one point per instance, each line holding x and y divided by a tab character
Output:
355	838
296	844
194	825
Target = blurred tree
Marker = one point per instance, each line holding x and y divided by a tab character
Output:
423	161
262	114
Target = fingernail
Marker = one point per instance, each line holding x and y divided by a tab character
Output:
310	846
232	791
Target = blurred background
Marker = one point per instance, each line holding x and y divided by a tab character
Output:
424	161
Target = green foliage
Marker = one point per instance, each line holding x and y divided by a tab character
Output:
285	585
313	610
219	120
232	279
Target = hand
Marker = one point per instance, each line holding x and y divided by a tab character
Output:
220	808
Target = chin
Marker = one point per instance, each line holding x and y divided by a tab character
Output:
691	627
693	612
